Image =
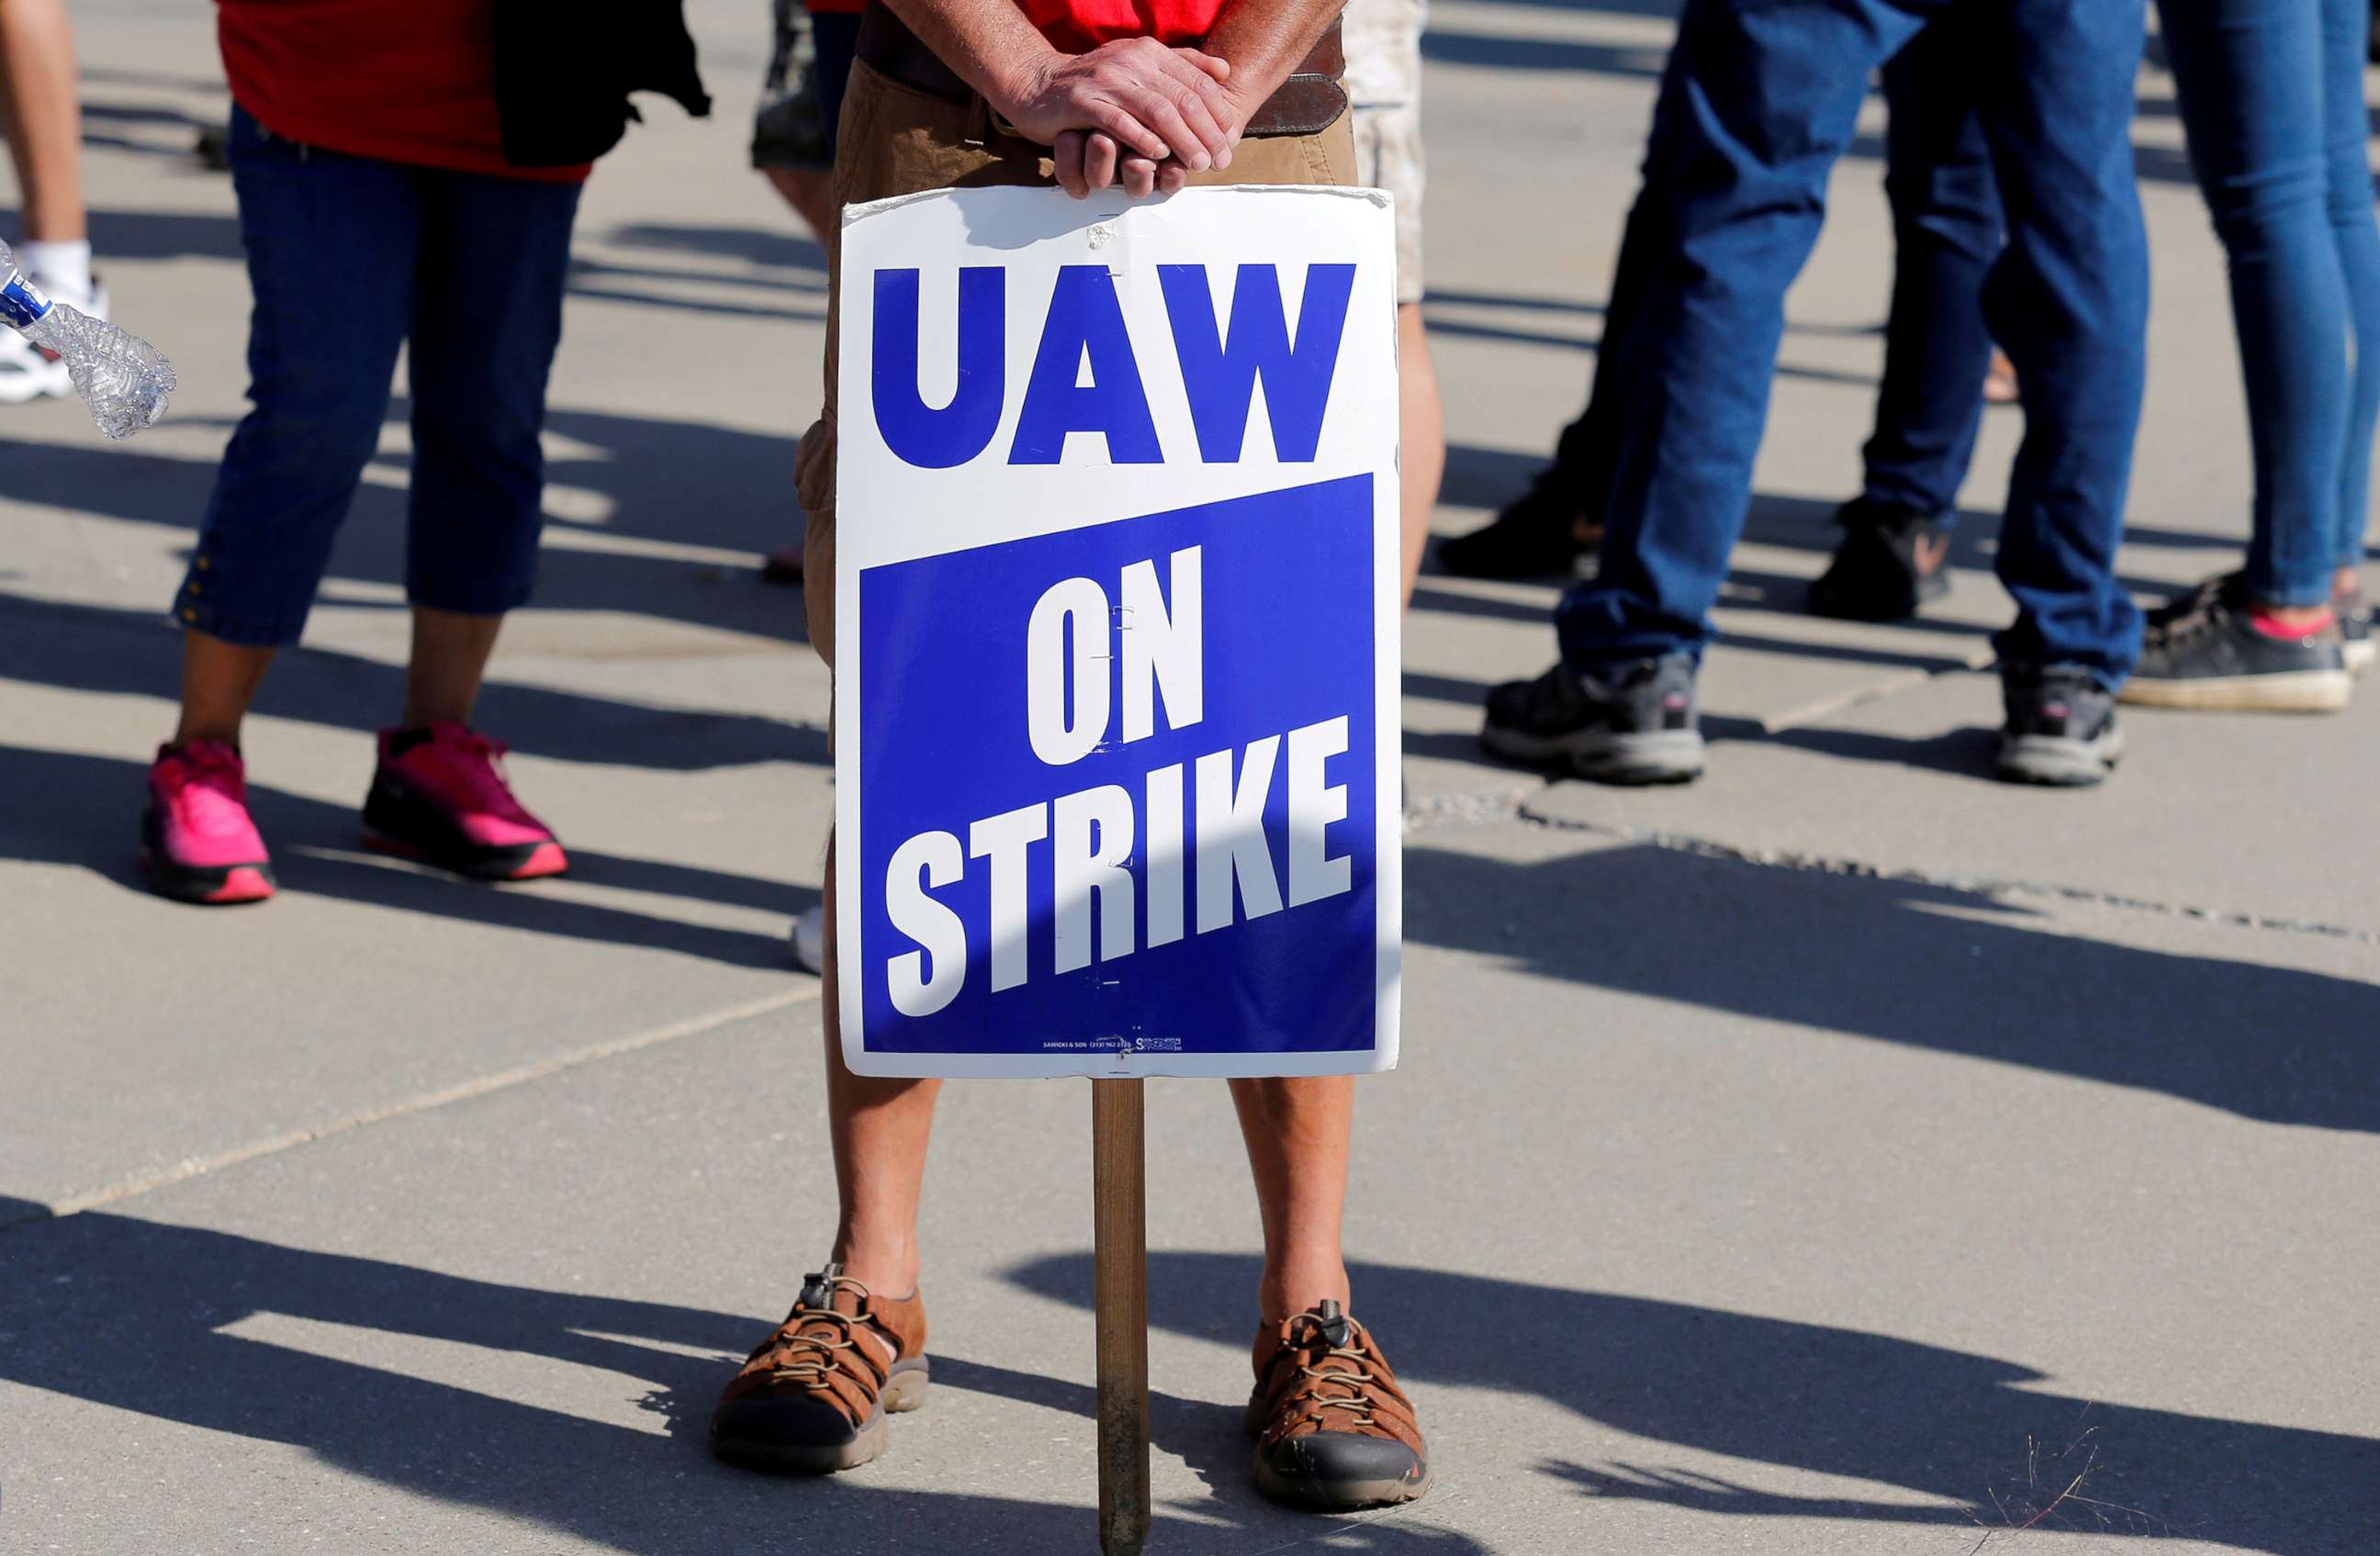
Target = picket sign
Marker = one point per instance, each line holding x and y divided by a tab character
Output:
1116	662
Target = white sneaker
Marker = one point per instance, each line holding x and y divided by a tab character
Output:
810	941
29	373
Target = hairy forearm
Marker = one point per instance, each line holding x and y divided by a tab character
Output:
1264	40
989	43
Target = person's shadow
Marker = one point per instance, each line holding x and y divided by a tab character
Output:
148	1319
1970	1429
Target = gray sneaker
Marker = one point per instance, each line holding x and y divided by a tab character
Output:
2061	727
1638	725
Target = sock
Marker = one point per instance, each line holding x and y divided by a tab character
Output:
2272	626
62	269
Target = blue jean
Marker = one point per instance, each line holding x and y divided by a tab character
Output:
834	41
1947	226
2272	98
1946	234
348	258
1759	99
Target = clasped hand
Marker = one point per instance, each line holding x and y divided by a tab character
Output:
1133	112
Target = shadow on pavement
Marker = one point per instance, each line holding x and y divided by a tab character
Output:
1810	1398
679	483
85	810
132	1315
768	247
1927	966
96	649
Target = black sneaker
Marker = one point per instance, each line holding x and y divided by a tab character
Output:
1887	564
2061	727
1536	536
1639	726
2355	644
2204	651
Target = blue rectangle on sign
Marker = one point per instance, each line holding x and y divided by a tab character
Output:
1073	862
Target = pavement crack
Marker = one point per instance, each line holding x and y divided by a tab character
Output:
1477	807
424	1102
1980	886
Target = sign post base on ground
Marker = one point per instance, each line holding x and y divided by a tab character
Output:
1119	1256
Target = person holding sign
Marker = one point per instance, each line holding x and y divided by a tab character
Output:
1090	95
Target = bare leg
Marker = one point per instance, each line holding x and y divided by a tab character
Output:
1423	436
450	659
879	1130
1298	1133
42	117
219	680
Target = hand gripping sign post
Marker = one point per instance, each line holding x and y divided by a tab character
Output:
1116	606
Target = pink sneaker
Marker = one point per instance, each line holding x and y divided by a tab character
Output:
197	842
440	796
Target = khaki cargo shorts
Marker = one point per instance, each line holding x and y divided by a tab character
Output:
896	141
1383	43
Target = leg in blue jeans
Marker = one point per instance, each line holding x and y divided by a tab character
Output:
2250	77
1946	227
1946	214
2347	190
330	243
1757	103
2067	300
487	316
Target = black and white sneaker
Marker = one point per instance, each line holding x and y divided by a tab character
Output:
2205	651
1887	566
1541	533
2061	727
1637	726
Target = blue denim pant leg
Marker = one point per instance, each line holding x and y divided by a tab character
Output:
1945	227
2249	77
330	243
1757	103
2067	300
2347	190
492	264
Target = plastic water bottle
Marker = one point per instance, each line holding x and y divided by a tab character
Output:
122	378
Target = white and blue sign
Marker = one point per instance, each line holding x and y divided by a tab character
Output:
1116	634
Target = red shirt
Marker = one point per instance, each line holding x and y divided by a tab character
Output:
403	80
1080	26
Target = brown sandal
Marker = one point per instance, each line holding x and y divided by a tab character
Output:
812	1398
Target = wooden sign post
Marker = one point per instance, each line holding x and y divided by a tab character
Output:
1120	1257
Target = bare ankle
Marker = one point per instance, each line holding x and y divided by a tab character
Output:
886	1266
1301	1287
190	730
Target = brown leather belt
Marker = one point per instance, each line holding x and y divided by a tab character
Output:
1308	104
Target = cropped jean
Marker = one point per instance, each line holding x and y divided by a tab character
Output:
1759	100
350	257
2272	100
